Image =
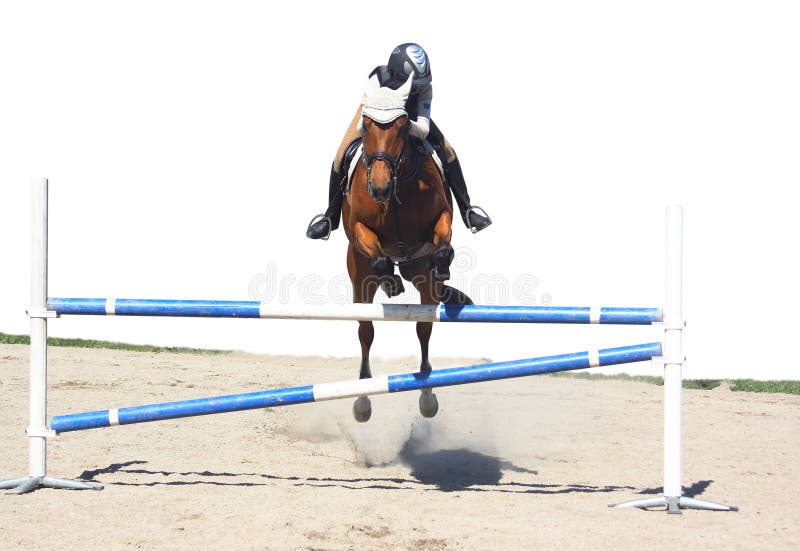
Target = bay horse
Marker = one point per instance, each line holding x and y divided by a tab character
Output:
396	212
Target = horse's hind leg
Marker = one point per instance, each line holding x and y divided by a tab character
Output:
429	292
364	289
362	407
428	403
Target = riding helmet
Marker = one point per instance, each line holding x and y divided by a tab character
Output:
411	58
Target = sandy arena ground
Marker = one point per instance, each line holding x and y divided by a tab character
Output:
517	464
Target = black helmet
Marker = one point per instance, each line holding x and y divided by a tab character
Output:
411	58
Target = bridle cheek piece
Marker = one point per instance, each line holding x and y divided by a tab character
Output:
393	162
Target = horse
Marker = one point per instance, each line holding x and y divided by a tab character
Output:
396	211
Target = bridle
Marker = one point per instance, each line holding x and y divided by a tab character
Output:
394	171
393	162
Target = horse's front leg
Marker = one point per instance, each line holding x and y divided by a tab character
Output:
380	263
443	254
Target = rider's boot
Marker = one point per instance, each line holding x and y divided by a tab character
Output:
474	220
322	225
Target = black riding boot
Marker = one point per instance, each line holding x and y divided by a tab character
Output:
322	225
474	220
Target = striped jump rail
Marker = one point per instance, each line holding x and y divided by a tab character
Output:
670	319
361	387
363	312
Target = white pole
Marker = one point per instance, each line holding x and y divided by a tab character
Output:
672	359
38	369
37	430
673	353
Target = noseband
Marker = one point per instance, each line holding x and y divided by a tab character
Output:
393	162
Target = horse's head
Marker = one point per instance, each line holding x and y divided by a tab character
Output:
384	127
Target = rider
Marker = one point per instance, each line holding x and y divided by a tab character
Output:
404	60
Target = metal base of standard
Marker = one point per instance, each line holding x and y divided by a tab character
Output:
31	483
675	504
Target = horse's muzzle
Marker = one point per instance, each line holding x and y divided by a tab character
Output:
379	195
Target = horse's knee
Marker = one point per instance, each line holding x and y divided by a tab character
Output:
382	265
390	283
443	256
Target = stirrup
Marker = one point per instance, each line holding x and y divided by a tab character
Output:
480	211
323	217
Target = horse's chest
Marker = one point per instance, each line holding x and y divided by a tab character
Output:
408	217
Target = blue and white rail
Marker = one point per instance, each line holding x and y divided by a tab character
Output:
364	312
350	389
42	308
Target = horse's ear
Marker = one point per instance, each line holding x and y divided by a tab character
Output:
372	84
405	89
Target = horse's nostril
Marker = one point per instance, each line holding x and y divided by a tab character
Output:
379	194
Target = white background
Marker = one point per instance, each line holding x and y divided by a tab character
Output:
188	145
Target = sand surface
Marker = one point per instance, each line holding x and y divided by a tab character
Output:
518	464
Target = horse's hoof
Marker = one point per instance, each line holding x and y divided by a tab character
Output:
441	275
442	259
362	409
452	296
428	404
393	286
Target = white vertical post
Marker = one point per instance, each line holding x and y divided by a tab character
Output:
673	353
37	426
672	359
37	430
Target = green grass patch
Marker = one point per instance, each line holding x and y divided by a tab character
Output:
653	380
701	384
750	385
736	385
91	343
14	339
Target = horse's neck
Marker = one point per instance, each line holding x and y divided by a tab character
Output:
415	161
412	160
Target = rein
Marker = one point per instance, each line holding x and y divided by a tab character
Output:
414	168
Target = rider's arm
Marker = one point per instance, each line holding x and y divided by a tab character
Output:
422	125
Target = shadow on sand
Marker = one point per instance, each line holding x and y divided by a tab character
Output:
457	470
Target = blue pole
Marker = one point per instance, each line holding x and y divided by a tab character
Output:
549	314
155	307
363	387
391	312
